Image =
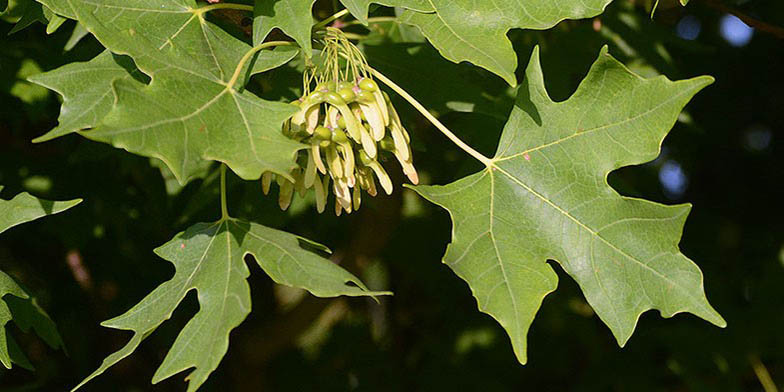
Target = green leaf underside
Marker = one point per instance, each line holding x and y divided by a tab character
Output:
24	208
31	12
545	197
209	257
7	287
293	17
475	31
87	91
189	112
359	8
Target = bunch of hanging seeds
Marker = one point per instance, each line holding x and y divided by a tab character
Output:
347	121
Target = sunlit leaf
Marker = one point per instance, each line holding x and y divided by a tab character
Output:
544	196
359	8
293	17
475	31
194	108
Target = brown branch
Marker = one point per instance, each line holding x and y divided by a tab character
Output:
753	22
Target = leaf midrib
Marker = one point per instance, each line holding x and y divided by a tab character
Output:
595	234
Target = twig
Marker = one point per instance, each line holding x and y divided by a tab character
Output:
776	31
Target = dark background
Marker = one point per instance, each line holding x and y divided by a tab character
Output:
725	157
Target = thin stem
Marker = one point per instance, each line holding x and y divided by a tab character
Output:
762	374
224	6
327	21
250	54
356	37
418	106
377	19
224	208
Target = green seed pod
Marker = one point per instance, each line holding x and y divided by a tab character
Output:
368	84
345	84
368	144
334	98
364	158
366	97
325	143
347	94
315	152
285	195
342	194
387	144
342	122
334	163
322	133
382	105
352	123
310	171
321	193
348	159
266	182
374	119
316	96
312	117
338	136
383	177
357	198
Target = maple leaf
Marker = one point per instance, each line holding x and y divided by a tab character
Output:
193	109
544	196
209	258
359	8
15	303
475	31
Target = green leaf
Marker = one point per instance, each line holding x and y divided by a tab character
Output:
209	257
359	8
544	196
77	34
25	207
475	31
30	12
293	17
194	108
15	303
54	20
87	90
7	287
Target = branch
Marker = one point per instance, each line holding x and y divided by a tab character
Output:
774	30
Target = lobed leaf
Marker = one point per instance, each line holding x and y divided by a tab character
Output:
544	196
15	303
194	108
293	17
359	8
475	31
209	258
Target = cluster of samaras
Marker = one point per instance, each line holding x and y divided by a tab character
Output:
347	126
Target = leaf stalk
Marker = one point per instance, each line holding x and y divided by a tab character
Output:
327	21
441	127
237	71
224	206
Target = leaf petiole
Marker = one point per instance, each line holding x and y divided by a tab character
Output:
224	207
327	21
250	54
441	127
